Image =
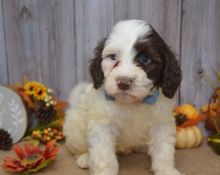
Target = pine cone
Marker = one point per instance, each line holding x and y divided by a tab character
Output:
5	140
46	114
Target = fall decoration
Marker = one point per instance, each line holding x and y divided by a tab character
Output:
30	158
47	134
188	137
5	140
188	110
211	113
42	108
186	115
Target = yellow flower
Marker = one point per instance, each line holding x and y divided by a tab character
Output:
40	92
30	87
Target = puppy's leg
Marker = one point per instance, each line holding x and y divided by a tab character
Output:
162	149
103	160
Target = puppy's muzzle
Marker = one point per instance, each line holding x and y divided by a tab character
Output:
124	83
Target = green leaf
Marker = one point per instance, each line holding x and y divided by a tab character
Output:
56	123
40	167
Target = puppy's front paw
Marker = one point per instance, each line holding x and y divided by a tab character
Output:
169	172
83	161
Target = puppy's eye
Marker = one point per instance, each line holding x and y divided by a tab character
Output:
144	58
112	56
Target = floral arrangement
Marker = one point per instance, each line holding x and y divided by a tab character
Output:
30	158
45	112
211	112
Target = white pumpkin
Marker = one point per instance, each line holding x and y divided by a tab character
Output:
188	137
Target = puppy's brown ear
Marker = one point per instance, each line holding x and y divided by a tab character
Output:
172	74
95	66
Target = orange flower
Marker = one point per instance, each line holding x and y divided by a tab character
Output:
31	158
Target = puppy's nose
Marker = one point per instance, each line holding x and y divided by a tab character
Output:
124	83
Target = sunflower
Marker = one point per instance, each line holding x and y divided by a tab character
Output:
40	92
30	86
30	158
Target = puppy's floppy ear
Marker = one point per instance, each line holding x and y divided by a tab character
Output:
172	73
95	66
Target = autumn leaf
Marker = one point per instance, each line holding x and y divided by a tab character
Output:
192	122
60	105
27	98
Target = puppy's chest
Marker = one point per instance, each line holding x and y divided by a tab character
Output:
133	127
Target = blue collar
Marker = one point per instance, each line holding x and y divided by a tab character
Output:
150	99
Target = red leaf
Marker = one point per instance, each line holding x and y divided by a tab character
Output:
36	149
26	98
9	162
52	153
19	151
61	105
27	149
50	150
12	164
48	147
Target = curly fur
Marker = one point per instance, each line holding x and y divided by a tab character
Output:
96	128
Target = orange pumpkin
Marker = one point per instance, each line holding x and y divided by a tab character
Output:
189	111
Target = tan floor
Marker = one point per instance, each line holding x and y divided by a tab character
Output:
199	161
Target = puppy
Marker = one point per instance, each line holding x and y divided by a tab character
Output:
129	104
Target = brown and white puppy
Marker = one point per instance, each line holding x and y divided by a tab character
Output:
129	104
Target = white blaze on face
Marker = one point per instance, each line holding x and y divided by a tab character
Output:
121	44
